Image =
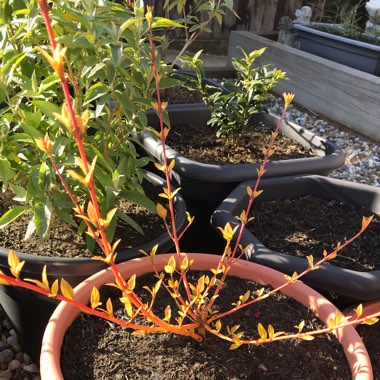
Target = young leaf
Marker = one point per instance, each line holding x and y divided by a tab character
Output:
109	307
95	298
42	217
366	222
262	332
66	289
270	331
131	283
370	321
168	314
12	215
359	310
170	268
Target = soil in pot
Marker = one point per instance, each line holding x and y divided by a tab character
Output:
184	138
308	225
64	240
109	352
180	95
218	151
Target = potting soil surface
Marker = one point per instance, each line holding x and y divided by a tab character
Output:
308	225
64	240
185	138
107	351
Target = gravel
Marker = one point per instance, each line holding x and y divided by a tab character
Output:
362	155
362	165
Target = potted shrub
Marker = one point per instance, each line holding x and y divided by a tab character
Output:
196	303
344	42
245	106
350	285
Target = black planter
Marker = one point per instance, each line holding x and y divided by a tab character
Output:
348	285
212	183
357	54
29	312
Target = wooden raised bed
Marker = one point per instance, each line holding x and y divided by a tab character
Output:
344	95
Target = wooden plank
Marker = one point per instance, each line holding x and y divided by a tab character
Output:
345	95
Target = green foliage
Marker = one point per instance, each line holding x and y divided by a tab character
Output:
109	72
108	65
350	17
232	108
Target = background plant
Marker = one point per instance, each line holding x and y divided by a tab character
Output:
351	15
233	106
195	16
110	77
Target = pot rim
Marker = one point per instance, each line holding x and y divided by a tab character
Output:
354	284
65	314
331	156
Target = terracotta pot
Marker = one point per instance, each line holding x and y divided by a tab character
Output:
65	314
369	308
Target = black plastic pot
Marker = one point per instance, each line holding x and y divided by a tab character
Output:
29	312
212	183
357	54
348	285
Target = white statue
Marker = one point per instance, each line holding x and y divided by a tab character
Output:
373	24
304	15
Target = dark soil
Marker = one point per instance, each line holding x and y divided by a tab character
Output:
218	151
180	95
212	150
308	225
109	352
64	240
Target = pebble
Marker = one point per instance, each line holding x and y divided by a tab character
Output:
362	165
6	355
6	375
14	364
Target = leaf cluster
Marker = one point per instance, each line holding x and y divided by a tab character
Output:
233	105
110	75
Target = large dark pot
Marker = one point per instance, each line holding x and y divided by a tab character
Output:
354	53
349	285
30	312
212	183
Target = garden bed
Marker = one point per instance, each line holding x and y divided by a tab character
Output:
343	94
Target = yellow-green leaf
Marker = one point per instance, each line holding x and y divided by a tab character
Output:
109	307
261	330
66	289
54	288
131	283
370	321
95	298
359	310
